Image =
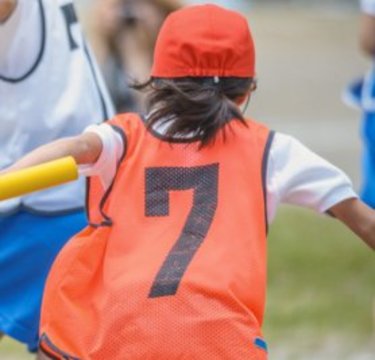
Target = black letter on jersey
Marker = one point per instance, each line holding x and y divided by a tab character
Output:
159	181
70	19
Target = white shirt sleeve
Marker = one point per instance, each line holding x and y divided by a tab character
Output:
113	148
297	176
368	7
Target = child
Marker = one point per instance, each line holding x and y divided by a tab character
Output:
173	264
49	88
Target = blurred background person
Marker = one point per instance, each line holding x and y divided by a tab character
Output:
361	94
123	33
50	87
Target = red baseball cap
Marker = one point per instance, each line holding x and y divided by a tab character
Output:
204	41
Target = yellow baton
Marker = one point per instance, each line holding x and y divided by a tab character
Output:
38	177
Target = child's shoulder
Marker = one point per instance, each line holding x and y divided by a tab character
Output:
256	127
128	122
254	123
130	126
124	118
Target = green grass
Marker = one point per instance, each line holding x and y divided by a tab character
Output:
321	282
321	290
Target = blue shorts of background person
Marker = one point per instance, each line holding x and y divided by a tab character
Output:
368	159
29	244
361	94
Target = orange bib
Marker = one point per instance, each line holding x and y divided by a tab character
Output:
174	263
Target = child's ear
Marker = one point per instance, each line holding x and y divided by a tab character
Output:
241	100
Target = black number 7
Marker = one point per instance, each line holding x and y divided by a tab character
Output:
159	181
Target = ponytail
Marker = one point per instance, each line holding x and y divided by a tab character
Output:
195	106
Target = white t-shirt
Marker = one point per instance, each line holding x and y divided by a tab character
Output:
295	175
50	87
368	7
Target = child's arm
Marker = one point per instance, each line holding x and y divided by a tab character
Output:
358	217
85	149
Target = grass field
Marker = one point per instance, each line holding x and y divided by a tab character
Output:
321	292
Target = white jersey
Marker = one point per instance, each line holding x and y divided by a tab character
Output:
50	87
295	174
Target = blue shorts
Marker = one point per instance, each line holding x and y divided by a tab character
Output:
28	245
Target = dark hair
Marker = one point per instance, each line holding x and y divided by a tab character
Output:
199	106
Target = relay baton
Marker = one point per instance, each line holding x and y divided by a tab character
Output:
39	177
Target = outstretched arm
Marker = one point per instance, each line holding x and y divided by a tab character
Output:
358	217
6	9
85	149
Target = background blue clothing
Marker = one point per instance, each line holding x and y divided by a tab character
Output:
368	159
28	245
361	94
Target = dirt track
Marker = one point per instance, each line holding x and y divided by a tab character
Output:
305	59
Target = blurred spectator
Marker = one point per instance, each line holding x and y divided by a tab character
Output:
361	94
124	33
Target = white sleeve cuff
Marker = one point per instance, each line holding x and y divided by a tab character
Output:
113	148
335	197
